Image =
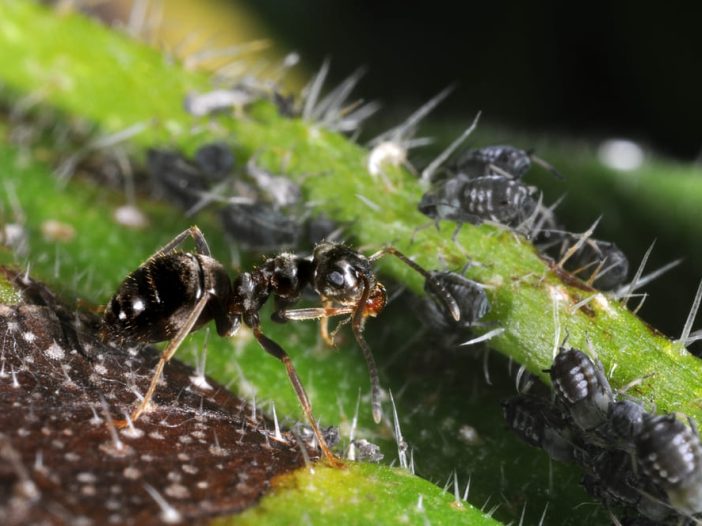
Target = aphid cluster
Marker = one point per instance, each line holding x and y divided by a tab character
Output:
174	293
484	184
258	210
640	464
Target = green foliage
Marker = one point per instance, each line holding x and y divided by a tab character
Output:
98	76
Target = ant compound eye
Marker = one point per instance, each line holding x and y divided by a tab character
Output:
336	278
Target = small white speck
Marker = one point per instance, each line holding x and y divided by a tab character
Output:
156	435
131	473
122	315
86	478
138	305
88	491
12	326
100	369
72	456
177	491
203	484
29	337
189	469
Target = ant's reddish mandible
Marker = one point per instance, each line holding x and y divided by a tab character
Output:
174	293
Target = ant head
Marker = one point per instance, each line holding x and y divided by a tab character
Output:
341	274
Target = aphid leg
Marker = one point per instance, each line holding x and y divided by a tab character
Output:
167	354
276	350
438	288
548	166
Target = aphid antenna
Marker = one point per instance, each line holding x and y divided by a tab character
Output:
402	132
428	172
169	514
691	316
546	165
311	92
228	52
645	280
639	271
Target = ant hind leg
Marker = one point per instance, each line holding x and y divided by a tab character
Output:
276	350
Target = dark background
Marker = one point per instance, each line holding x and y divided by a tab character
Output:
581	69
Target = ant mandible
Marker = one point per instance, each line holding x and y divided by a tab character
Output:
173	293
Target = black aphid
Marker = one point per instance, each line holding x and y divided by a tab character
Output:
669	452
538	423
490	198
582	387
469	295
502	160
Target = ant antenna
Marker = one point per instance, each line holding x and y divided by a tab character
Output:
435	285
357	325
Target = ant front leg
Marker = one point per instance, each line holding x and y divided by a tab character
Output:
276	350
318	313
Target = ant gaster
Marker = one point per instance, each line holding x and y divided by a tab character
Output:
174	293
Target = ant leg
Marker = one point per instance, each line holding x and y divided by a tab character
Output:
316	313
276	350
324	326
168	353
357	326
438	288
195	233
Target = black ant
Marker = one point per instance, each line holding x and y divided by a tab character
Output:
174	293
